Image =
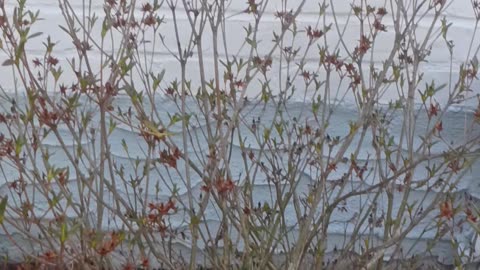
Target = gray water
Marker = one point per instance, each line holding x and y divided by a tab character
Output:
340	228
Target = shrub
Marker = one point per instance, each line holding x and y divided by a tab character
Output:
186	133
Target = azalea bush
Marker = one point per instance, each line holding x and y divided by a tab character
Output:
181	134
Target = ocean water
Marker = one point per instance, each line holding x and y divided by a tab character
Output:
129	156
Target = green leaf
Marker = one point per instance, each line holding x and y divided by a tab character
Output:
266	134
353	127
8	62
266	207
445	27
56	73
175	119
279	128
50	174
251	43
153	130
54	201
35	35
194	221
265	94
124	145
105	27
19	143
63	233
3	208
20	49
112	126
157	79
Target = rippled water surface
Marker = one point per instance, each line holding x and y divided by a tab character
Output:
132	162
